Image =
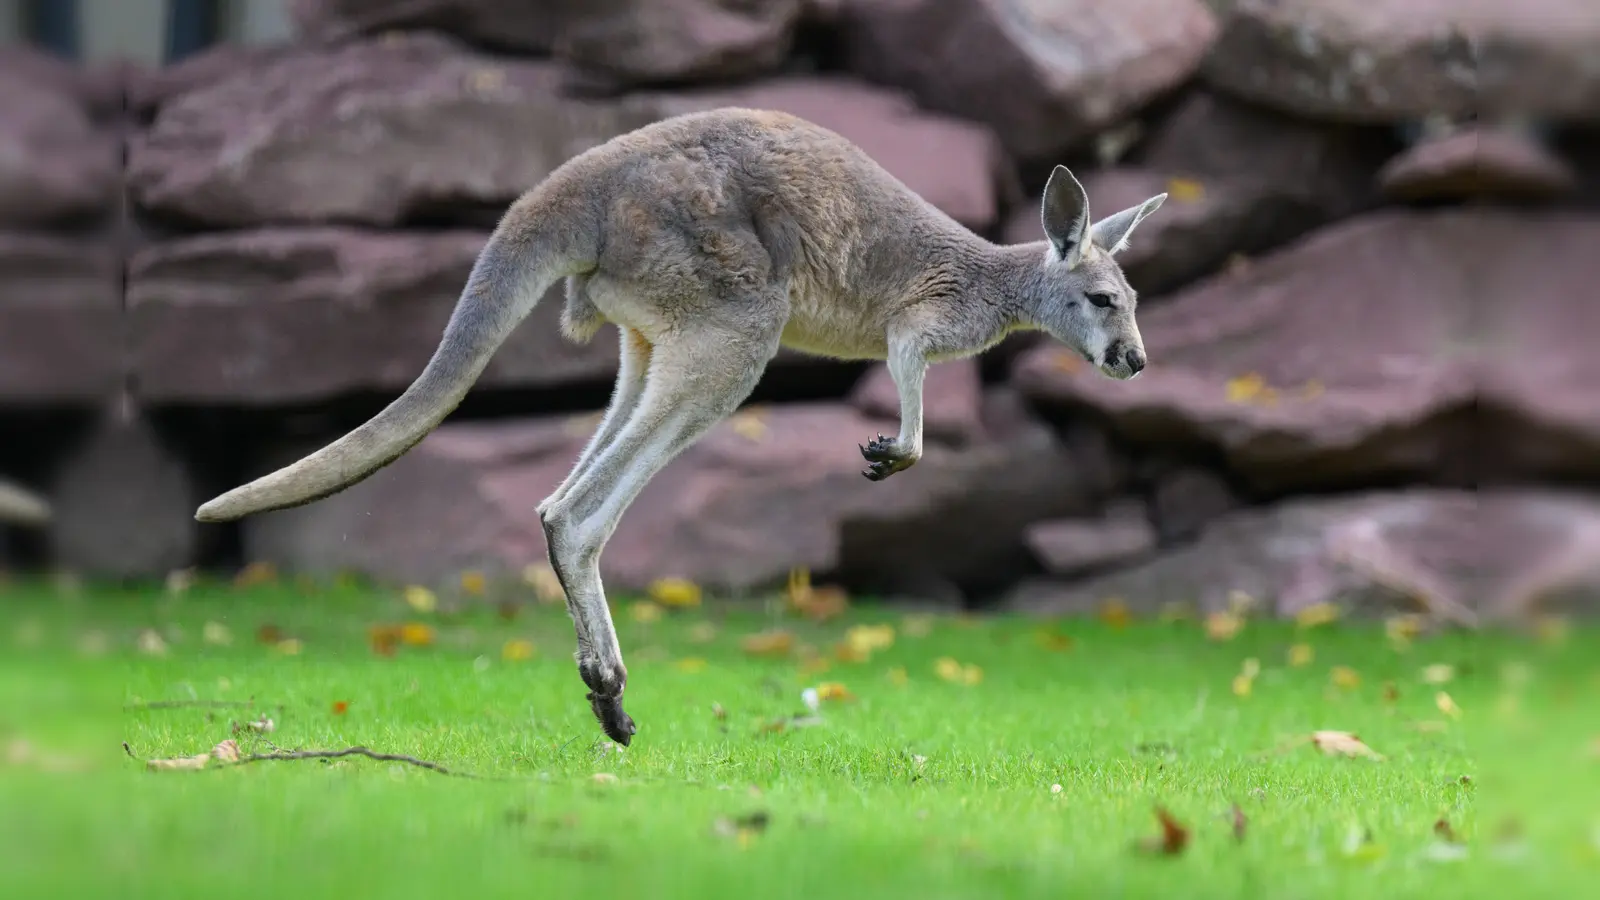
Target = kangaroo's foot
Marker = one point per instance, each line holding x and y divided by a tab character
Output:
885	457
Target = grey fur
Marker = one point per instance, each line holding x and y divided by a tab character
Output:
711	240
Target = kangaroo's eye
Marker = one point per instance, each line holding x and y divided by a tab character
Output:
1100	300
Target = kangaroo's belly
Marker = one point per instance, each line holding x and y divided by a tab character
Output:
830	326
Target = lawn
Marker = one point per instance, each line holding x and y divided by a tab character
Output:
948	757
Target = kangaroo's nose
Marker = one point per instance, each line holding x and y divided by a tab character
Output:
1135	360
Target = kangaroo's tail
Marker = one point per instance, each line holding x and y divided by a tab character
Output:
19	507
513	271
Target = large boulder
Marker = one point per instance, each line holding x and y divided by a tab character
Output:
283	315
1477	163
633	41
57	166
1393	60
770	490
411	127
1458	556
1239	180
1044	75
1334	362
60	320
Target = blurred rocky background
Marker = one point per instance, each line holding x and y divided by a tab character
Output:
1370	302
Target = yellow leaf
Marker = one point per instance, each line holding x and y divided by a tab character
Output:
603	778
814	665
420	599
1114	612
1185	190
290	647
816	603
1245	388
645	612
953	671
1223	626
868	639
833	690
1447	705
1439	673
768	643
1345	677
897	676
917	625
1342	743
546	586
216	633
1242	684
675	592
1241	603
691	664
256	573
516	650
1301	655
1054	641
416	634
1402	630
750	423
1316	614
474	583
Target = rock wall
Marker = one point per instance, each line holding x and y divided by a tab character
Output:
1368	302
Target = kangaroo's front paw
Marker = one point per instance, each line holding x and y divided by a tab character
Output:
605	698
885	457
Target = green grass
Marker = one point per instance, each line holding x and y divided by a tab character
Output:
917	788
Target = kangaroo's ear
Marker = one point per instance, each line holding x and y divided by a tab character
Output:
1066	216
1113	231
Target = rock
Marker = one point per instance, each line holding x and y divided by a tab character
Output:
96	88
60	320
56	166
1532	278
1044	75
280	315
1184	500
1337	361
773	489
951	399
1391	60
627	41
1458	556
1239	180
389	131
1069	547
124	504
957	166
1477	163
150	88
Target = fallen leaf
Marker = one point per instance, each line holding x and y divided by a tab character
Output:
473	583
270	634
777	642
1055	788
953	671
179	581
151	643
1345	678
1237	822
1439	673
1245	388
383	639
1342	743
340	707
1301	655
198	761
750	423
546	586
256	573
1053	641
691	664
743	829
517	650
227	751
833	691
416	634
1223	626
868	639
917	625
1315	615
603	778
1242	685
1390	692
1114	612
816	664
420	599
1250	668
1443	831
508	609
1447	705
1174	837
644	612
263	725
1241	603
1185	190
675	592
898	677
1402	630
289	646
216	633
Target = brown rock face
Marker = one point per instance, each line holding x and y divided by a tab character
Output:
392	130
1074	547
1331	362
294	314
1045	74
629	41
56	166
1457	555
60	320
1477	163
1390	60
768	491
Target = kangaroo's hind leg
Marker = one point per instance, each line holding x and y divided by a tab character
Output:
633	363
699	373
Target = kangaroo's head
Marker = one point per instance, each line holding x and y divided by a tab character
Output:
1084	301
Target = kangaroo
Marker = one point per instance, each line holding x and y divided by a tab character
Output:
711	240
